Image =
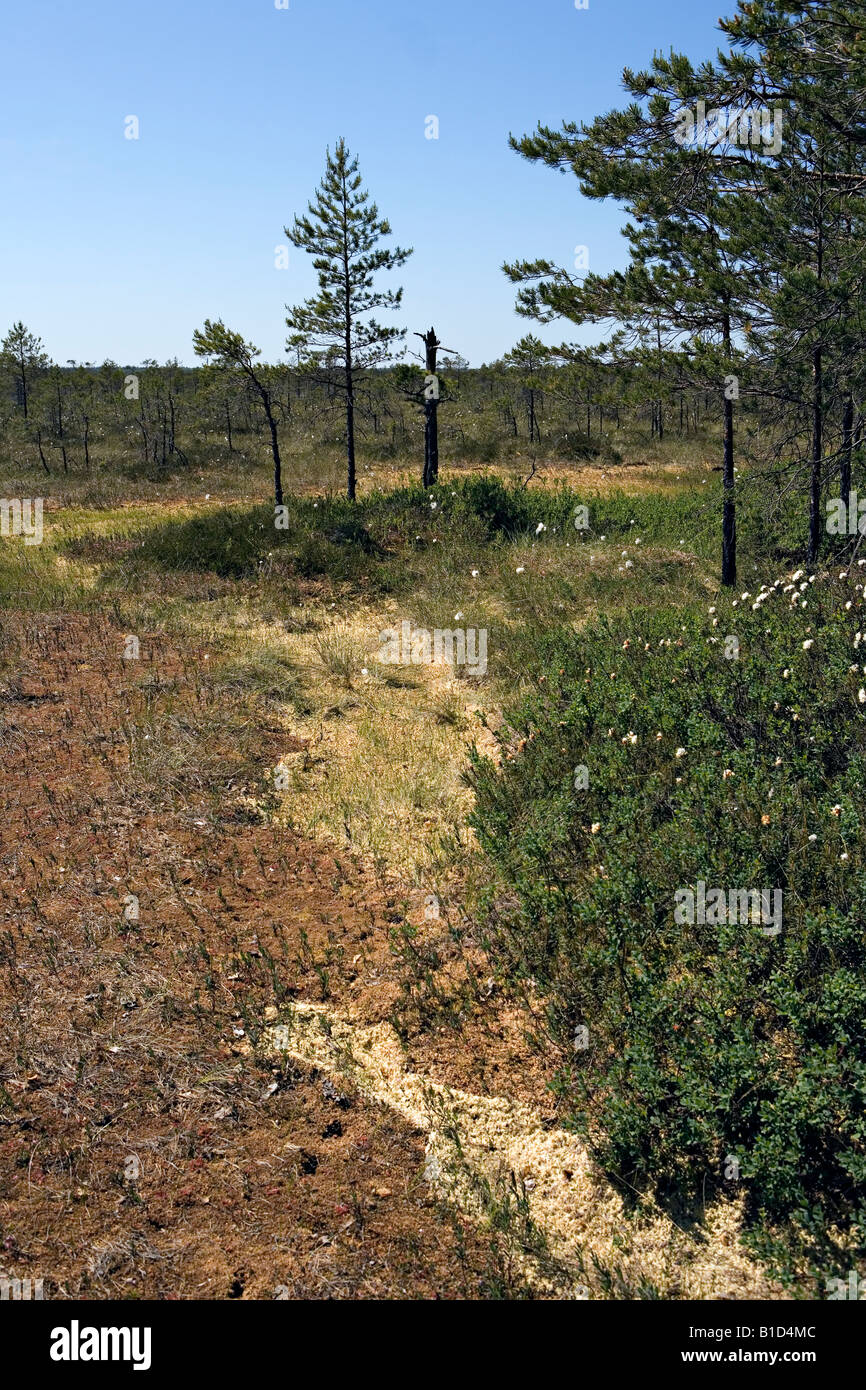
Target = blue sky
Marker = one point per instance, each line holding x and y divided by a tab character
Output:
119	248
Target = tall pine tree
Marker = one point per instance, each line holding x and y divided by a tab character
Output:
333	330
689	285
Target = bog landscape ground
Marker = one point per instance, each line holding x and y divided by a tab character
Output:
259	1037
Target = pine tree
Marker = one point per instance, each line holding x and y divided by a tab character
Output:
528	357
690	283
23	353
332	330
230	352
810	57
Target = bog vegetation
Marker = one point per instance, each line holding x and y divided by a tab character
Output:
675	690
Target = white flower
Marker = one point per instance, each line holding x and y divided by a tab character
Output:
595	827
458	616
861	695
520	569
629	564
712	610
539	528
786	673
475	574
680	753
843	856
812	839
810	641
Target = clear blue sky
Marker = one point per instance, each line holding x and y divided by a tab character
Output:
119	248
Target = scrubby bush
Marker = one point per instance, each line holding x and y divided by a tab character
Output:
718	1049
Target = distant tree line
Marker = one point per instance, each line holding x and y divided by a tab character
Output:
741	305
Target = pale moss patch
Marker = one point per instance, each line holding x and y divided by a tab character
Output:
386	745
479	1144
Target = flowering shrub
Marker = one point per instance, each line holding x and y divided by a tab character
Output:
707	1057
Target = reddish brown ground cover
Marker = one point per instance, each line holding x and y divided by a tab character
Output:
145	1151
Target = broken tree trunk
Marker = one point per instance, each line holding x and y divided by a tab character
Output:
431	406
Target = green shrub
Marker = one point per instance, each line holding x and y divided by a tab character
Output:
712	1048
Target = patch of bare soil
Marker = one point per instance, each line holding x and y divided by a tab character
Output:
149	927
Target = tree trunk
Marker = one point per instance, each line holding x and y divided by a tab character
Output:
275	446
41	452
817	447
847	445
350	431
729	519
431	408
817	402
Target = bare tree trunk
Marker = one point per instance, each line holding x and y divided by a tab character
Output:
275	446
729	519
817	447
60	434
847	446
817	403
351	477
431	407
41	452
